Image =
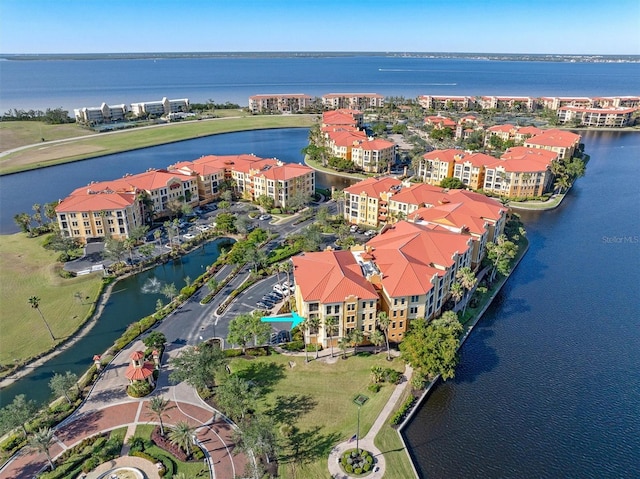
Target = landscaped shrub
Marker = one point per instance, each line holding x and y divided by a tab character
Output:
392	376
374	387
232	353
401	413
293	346
348	468
259	351
366	467
165	444
358	470
90	464
139	389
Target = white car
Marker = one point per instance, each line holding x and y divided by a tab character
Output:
370	233
202	227
188	236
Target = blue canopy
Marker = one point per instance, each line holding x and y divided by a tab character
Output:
292	317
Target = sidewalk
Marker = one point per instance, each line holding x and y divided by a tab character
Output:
367	442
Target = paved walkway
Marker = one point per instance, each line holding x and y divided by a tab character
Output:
367	442
108	407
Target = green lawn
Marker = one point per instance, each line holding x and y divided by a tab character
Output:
398	464
317	398
27	269
47	154
14	134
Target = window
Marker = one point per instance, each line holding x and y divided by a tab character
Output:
351	307
413	310
328	310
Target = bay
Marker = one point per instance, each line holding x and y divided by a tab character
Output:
70	84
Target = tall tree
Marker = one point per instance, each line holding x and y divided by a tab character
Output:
60	384
457	292
468	281
169	291
198	366
343	344
114	249
235	396
23	220
500	254
241	330
384	321
18	413
181	435
257	436
34	301
41	441
377	339
432	348
158	406
356	337
314	326
331	328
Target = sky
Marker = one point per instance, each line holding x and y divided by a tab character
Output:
598	27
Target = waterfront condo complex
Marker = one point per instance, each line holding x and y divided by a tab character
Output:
114	208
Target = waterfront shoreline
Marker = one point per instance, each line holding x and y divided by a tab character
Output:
427	392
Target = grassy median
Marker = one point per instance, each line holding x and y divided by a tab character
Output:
49	153
27	269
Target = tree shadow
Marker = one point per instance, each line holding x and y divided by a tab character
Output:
287	409
304	447
264	374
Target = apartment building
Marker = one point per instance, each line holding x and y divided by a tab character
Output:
373	155
366	202
507	103
356	101
521	172
160	108
343	117
441	102
332	284
564	143
100	114
440	122
407	199
406	271
437	165
597	117
283	103
469	168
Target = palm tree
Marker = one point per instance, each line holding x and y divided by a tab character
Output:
384	322
41	441
305	326
331	328
355	338
181	435
343	344
376	338
468	280
457	292
158	406
314	326
34	301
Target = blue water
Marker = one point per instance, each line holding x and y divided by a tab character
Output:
132	299
50	184
548	384
73	84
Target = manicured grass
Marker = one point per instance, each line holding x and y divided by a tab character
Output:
108	143
317	398
190	469
27	269
14	134
397	463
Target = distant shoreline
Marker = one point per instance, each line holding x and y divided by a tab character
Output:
586	58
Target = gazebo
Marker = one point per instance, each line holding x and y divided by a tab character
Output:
139	370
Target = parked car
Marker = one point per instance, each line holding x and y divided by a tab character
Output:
370	233
264	217
353	228
262	305
202	228
188	236
278	288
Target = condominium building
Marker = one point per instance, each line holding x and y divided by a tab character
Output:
564	143
332	284
278	102
100	114
343	117
521	172
507	102
435	102
437	165
366	202
594	117
160	108
356	101
373	155
469	168
406	271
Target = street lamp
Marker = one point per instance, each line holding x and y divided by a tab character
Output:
360	399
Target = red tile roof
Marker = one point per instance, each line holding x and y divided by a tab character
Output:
446	156
285	172
555	138
330	277
95	202
407	255
373	187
